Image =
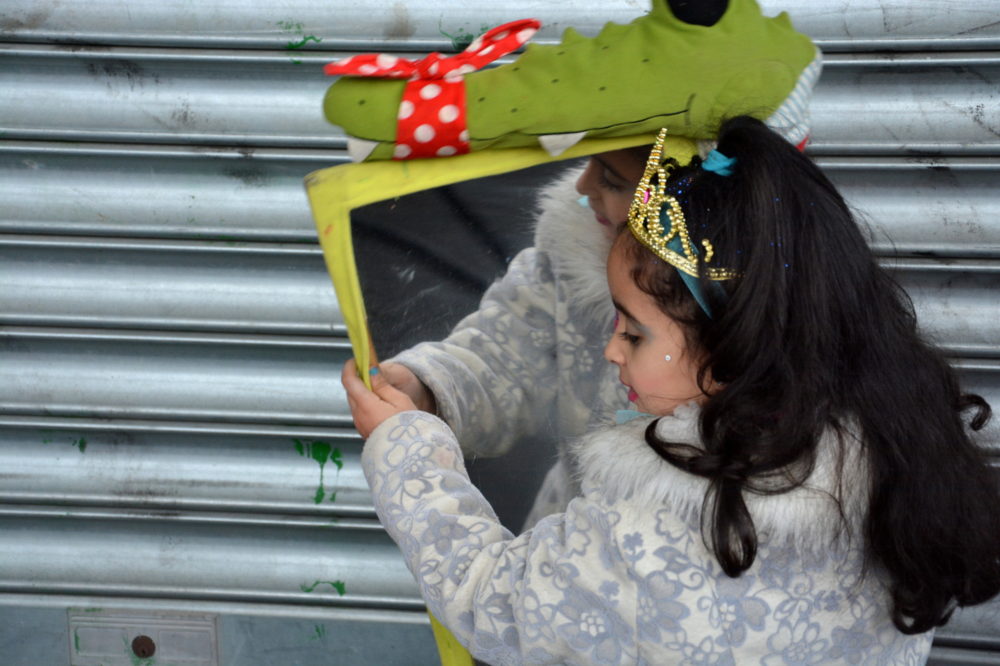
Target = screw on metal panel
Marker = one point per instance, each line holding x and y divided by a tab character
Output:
143	646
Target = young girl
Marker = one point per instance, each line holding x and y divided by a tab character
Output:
526	367
795	483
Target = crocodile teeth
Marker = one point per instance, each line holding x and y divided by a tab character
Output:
359	149
556	144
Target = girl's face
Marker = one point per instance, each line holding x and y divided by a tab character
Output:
648	347
609	183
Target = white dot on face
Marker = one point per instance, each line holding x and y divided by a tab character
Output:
446	151
402	151
464	136
476	44
501	35
466	69
368	69
345	61
385	60
405	109
433	69
448	113
486	51
430	91
424	133
525	35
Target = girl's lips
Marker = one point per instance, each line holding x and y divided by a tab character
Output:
632	395
603	220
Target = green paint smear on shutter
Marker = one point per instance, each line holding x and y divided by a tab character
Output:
302	42
322	452
78	443
296	28
338	585
462	37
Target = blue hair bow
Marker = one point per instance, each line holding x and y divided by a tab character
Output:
718	163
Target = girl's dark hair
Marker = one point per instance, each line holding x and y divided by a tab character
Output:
815	337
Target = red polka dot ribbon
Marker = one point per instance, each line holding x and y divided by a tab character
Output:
432	118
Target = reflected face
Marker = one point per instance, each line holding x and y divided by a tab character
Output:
609	182
643	339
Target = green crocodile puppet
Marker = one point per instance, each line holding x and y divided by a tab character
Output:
654	72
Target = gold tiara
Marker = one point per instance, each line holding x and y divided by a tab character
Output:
651	205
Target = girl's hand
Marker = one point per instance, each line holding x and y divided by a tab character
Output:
403	378
371	408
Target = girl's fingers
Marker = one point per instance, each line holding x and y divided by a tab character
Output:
382	388
356	389
348	372
369	409
389	393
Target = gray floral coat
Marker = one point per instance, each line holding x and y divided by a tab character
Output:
623	576
530	361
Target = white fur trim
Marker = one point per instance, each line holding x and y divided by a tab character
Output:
617	463
576	245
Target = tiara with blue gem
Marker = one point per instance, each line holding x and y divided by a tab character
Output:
653	209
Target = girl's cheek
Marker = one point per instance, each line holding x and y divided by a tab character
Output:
618	208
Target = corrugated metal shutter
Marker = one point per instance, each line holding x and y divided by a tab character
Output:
172	429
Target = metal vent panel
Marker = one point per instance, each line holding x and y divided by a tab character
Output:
373	25
197	558
169	465
938	103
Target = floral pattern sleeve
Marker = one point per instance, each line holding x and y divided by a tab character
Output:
495	376
623	575
536	598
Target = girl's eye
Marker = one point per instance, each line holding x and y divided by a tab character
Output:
608	184
629	338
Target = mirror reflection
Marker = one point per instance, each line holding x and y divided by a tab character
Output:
424	261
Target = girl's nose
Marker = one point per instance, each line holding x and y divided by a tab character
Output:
612	350
586	183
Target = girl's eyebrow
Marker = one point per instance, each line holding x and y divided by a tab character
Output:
628	315
607	167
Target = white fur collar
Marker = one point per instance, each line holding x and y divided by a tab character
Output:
576	245
622	466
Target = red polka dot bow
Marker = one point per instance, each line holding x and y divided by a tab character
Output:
432	117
